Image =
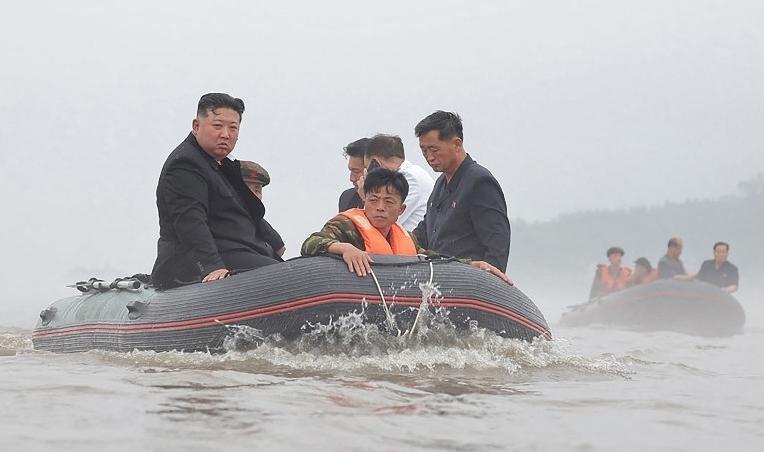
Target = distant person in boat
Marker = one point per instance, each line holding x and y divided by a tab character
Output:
356	233
719	271
644	273
466	213
256	177
670	266
387	151
610	278
208	218
354	152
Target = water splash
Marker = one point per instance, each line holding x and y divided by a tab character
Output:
242	337
430	295
349	346
431	344
13	341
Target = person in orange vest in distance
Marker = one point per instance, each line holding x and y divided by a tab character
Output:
610	278
644	273
356	233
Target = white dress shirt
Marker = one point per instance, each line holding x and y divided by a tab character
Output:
420	187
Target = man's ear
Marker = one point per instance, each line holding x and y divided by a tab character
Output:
195	126
403	209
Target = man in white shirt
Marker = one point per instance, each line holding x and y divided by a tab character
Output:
387	150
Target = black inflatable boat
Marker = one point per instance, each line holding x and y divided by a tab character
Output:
690	307
286	299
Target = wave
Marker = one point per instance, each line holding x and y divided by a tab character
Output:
13	341
349	345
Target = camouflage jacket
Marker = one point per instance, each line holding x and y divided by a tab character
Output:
341	229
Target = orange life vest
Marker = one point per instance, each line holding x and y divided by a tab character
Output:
400	242
611	284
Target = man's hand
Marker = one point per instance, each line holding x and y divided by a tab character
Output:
493	270
280	252
358	261
214	275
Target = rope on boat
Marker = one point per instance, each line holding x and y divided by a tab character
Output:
419	312
388	314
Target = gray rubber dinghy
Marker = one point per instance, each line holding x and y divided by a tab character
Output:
690	307
288	299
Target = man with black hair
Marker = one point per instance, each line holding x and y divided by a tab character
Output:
354	153
466	213
355	233
610	277
208	218
388	151
719	271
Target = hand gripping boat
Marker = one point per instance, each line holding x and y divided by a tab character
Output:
690	307
285	299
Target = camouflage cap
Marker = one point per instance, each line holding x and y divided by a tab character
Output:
252	173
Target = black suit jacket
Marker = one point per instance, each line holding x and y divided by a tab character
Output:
206	216
349	199
467	217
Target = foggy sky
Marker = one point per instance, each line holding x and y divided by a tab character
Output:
571	105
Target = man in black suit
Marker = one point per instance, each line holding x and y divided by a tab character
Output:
719	271
466	213
350	199
208	218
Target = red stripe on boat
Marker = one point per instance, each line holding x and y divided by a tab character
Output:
233	317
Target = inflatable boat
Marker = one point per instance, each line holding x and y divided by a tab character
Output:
690	307
288	299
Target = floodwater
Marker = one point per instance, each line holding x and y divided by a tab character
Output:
348	388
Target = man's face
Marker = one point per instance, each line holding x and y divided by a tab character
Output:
615	259
676	251
721	253
440	155
256	190
640	270
355	166
383	207
217	132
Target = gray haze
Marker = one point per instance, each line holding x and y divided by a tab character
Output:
572	105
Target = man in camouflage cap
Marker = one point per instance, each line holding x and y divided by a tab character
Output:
256	177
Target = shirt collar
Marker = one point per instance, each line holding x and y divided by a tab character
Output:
459	173
214	163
